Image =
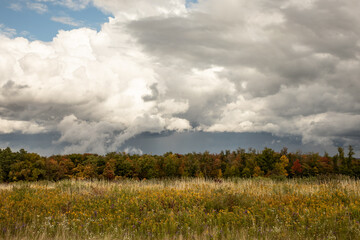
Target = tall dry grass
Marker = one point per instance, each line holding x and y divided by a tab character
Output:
182	209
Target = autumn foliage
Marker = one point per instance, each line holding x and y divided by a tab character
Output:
24	166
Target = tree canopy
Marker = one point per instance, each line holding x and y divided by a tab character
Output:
25	166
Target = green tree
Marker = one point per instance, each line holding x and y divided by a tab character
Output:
147	165
335	164
7	158
29	167
171	165
350	159
341	157
246	172
232	170
344	162
266	160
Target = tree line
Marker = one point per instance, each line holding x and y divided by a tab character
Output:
25	166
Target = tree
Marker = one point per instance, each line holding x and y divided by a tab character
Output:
52	169
66	167
30	167
258	172
284	151
345	167
310	164
296	168
183	167
147	164
335	163
325	166
266	160
341	158
124	166
171	165
216	171
232	170
350	158
87	171
279	167
246	172
7	157
2	175
109	170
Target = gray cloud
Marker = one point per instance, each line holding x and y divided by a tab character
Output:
293	66
154	93
288	68
188	142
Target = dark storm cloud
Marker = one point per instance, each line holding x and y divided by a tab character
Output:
188	142
291	62
39	143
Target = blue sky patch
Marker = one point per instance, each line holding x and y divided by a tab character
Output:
37	20
42	21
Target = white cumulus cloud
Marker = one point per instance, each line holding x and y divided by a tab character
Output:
282	67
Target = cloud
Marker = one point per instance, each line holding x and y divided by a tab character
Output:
133	150
67	21
131	10
86	136
46	79
75	5
286	68
281	64
15	7
6	31
37	7
26	127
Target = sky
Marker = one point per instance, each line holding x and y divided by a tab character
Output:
155	76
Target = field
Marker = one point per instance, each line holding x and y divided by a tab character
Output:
255	208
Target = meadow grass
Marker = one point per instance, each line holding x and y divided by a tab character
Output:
181	209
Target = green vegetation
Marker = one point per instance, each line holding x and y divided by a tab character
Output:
257	208
231	195
24	166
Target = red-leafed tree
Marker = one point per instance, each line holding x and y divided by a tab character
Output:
296	167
